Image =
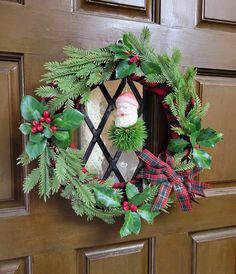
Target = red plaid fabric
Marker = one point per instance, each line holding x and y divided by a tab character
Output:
159	170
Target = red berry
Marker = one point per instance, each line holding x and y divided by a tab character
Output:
53	163
48	120
34	129
197	146
133	208
84	169
40	128
72	145
42	119
46	114
35	123
134	59
53	128
125	203
126	208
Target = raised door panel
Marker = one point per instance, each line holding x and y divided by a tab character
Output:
220	93
132	257
214	252
16	266
12	200
219	11
147	10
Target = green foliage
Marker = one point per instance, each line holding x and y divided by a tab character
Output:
25	128
31	180
201	158
31	109
145	212
108	196
177	145
69	119
130	138
131	224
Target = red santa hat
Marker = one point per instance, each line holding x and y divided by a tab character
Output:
127	97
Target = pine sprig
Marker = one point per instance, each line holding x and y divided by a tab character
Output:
31	180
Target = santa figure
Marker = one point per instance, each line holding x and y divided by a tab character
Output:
126	110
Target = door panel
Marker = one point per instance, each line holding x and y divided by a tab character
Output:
47	238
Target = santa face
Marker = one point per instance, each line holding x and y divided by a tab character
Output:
126	114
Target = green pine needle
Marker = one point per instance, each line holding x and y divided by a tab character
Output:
130	138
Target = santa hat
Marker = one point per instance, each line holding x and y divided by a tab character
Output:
127	97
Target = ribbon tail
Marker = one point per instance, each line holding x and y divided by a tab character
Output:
162	198
183	197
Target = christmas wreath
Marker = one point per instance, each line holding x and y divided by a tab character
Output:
49	124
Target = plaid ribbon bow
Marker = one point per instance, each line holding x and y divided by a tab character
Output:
159	170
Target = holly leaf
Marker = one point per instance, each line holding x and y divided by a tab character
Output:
195	124
35	149
150	68
177	145
108	197
193	137
131	224
36	137
31	108
120	56
25	128
208	137
131	190
141	197
202	159
124	69
62	138
118	48
146	213
69	119
47	133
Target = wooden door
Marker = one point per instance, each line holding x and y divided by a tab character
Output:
47	238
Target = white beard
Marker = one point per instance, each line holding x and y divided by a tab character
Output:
126	115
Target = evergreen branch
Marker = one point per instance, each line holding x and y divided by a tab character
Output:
23	159
31	180
44	182
46	91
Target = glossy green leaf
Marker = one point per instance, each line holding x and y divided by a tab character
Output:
141	197
31	108
131	224
107	196
124	69
177	145
150	68
195	124
47	132
36	137
193	137
69	119
118	48
120	56
25	128
146	213
208	137
35	149
202	159
131	190
62	138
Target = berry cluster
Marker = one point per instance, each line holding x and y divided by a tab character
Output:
132	207
37	126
